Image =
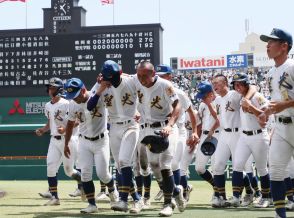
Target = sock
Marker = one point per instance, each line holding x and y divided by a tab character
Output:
119	182
167	185
247	184
134	194
220	182
278	194
147	185
177	176
139	184
89	190
102	187
207	176
254	184
80	185
184	183
237	183
52	181
288	185
292	180
265	186
109	185
126	182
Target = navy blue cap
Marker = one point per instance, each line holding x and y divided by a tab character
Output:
278	34
163	69
73	88
109	69
240	77
203	88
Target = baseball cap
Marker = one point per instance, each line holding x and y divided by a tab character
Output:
109	69
240	77
203	88
278	34
163	69
73	88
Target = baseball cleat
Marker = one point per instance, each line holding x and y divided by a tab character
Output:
120	206
159	195
46	195
166	210
180	200
53	202
90	209
76	193
102	196
233	202
137	206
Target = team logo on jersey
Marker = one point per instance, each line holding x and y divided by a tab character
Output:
140	96
228	107
79	116
95	112
57	115
170	91
155	103
108	100
283	81
126	99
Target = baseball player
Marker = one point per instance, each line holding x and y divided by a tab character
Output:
2	193
118	92
93	141
165	72
161	110
210	123
253	139
229	117
56	113
281	83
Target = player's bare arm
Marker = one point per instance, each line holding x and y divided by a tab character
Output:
41	131
68	133
194	138
173	118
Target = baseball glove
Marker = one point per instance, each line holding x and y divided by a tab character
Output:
156	143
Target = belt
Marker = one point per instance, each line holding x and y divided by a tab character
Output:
253	132
284	120
158	124
100	136
58	137
124	122
205	132
144	125
231	130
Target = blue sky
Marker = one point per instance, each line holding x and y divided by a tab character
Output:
191	27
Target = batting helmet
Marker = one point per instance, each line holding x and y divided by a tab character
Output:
73	88
208	146
156	143
111	72
55	82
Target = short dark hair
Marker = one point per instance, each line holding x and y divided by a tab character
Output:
223	77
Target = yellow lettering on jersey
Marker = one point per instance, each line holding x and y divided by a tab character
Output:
140	96
170	91
228	107
108	100
284	86
57	116
95	113
155	103
79	117
126	99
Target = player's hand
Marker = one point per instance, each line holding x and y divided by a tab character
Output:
192	140
99	78
245	104
262	119
61	130
166	131
276	106
66	151
210	133
103	85
39	132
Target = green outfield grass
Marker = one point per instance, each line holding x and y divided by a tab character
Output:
22	200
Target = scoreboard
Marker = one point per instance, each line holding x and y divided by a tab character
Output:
28	58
